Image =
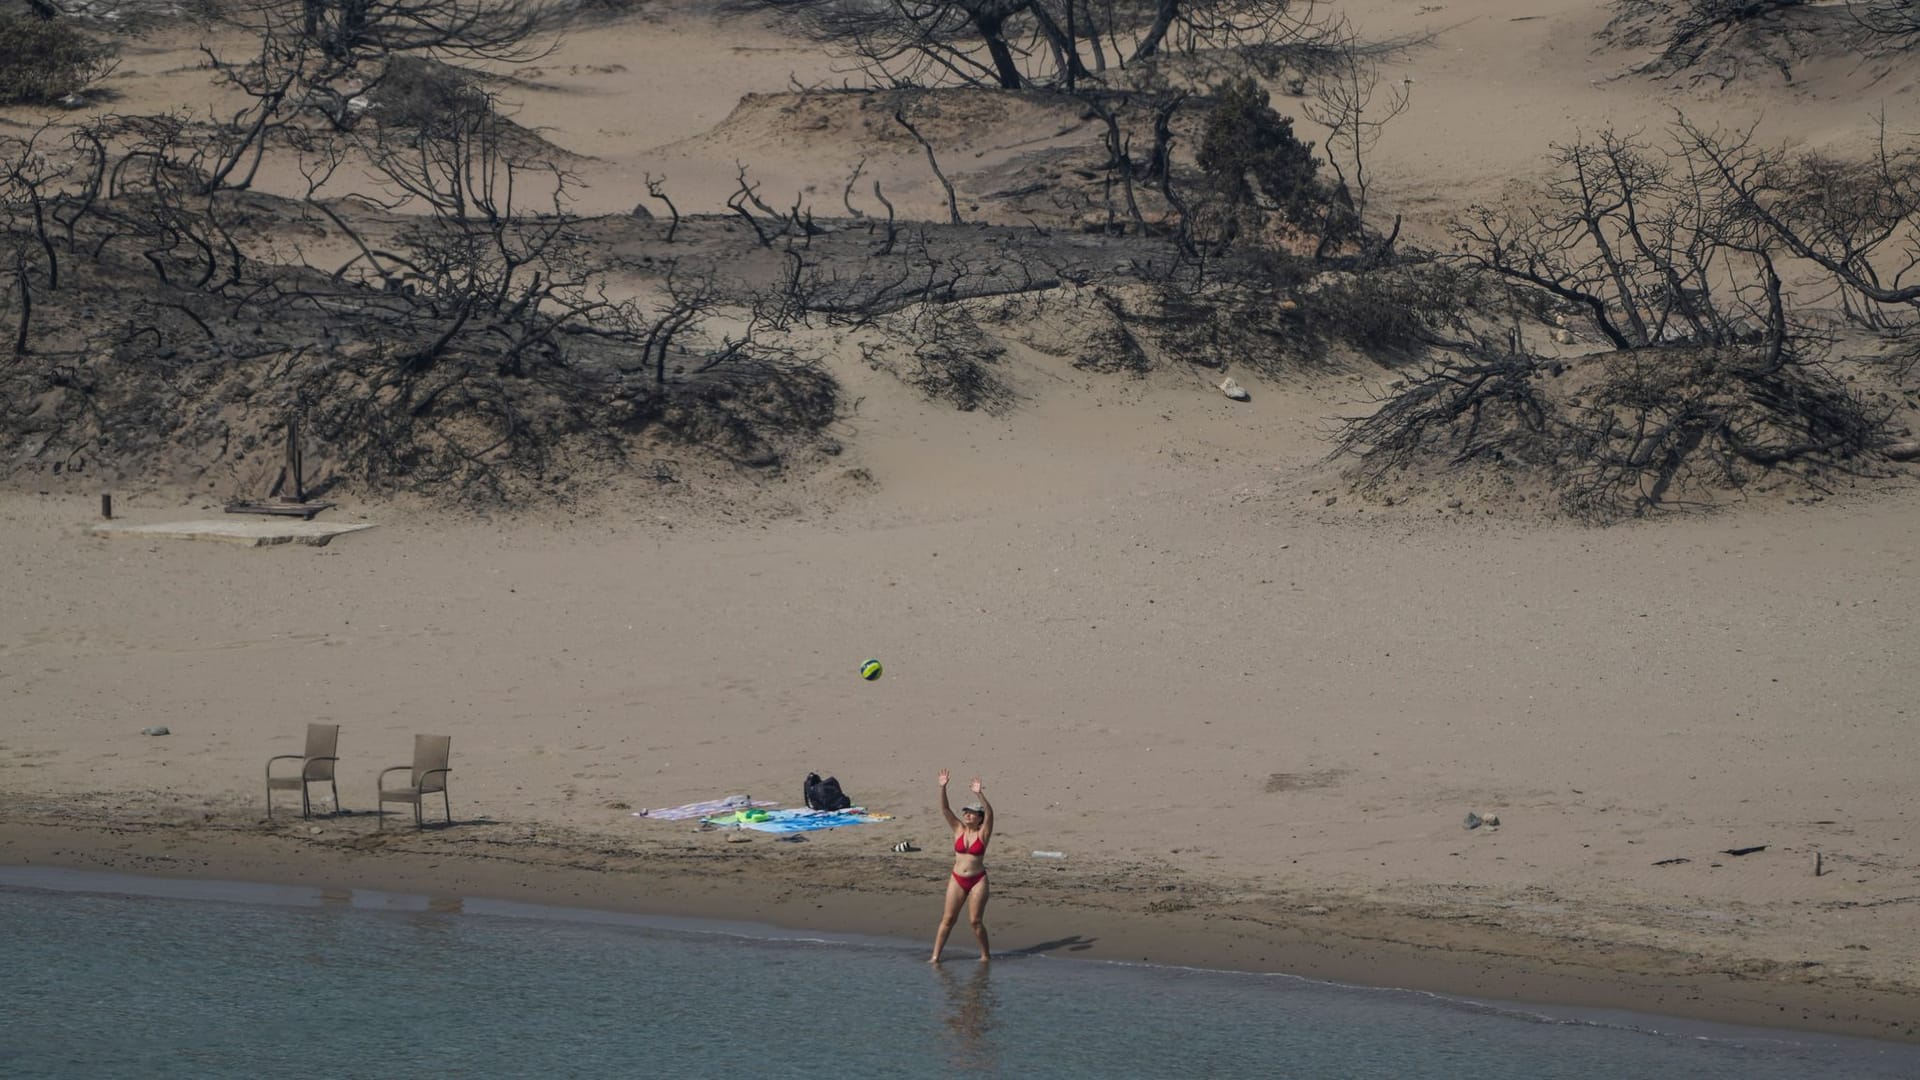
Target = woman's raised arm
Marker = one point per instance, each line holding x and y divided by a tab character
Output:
945	810
986	823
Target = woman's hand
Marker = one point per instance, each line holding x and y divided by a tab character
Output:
943	778
976	784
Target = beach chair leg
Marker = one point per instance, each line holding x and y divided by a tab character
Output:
336	795
380	814
447	801
269	798
419	822
306	802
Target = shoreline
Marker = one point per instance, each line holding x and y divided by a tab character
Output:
61	881
1072	911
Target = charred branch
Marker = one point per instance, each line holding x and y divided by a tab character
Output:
953	204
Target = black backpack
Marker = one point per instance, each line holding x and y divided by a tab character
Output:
824	794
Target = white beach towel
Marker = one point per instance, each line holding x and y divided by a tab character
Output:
703	809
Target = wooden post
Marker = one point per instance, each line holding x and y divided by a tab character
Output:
106	506
293	461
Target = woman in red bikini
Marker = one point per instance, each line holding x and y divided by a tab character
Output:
967	885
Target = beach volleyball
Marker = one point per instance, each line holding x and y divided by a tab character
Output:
870	670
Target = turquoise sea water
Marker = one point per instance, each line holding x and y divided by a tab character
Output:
289	981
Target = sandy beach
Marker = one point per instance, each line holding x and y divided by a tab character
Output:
1255	729
1252	710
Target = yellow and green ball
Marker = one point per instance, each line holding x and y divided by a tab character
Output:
870	670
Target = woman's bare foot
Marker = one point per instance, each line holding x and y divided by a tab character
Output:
935	960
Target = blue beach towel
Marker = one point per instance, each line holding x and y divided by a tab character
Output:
799	821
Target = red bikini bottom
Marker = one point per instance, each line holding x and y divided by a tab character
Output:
968	881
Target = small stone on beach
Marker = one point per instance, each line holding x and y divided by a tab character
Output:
157	729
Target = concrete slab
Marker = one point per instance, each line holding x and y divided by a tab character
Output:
242	531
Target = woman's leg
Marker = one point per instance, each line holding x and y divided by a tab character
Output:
955	897
976	912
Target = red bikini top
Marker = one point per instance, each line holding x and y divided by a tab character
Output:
961	847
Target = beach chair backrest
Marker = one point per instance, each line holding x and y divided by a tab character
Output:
430	754
323	741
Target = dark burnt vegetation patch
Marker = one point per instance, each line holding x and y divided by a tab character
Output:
151	347
1704	371
944	351
46	58
1716	43
1211	233
422	93
164	319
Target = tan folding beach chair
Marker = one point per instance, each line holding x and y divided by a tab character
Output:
429	774
315	765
